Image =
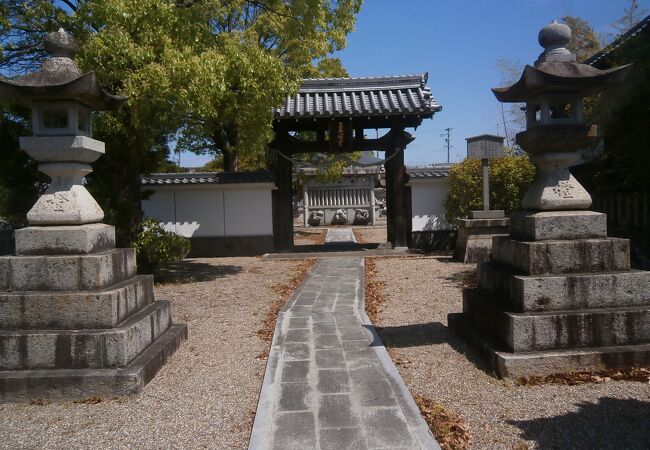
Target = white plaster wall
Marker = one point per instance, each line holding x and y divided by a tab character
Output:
248	212
199	212
160	206
206	211
428	211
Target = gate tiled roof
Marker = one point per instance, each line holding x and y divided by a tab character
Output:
406	95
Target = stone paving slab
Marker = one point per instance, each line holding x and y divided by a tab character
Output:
329	382
339	235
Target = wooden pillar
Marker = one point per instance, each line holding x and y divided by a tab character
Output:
283	205
398	220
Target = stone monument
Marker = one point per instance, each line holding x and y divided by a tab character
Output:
75	319
474	242
558	295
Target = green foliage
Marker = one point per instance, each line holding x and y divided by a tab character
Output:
216	165
510	177
584	41
211	69
155	246
20	181
623	115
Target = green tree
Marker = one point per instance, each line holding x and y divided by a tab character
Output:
623	115
510	178
584	41
211	69
20	181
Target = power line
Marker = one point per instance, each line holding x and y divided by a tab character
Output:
447	138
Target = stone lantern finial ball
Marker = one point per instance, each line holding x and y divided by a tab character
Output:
60	43
554	35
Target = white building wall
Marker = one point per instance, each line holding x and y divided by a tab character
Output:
427	196
248	212
214	210
199	212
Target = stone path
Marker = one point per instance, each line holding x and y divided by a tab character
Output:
329	382
340	236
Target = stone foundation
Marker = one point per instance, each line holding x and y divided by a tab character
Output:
558	296
474	243
76	320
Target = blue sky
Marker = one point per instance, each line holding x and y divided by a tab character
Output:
458	42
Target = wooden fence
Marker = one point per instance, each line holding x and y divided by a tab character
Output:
624	210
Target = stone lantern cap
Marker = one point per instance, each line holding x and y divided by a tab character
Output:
60	79
556	71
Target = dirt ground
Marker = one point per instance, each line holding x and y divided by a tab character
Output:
419	292
204	397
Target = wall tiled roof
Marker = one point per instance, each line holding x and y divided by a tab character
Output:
596	59
371	96
161	179
439	171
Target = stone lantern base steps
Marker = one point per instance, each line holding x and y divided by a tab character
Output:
558	296
79	325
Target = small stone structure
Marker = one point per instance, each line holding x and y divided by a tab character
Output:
316	218
558	295
361	217
75	319
340	217
474	243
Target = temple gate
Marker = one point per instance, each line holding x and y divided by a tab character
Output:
330	115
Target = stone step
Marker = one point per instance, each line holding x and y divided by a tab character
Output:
549	330
78	384
75	349
66	273
564	292
543	225
558	257
515	365
103	308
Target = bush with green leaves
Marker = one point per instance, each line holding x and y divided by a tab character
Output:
510	178
155	246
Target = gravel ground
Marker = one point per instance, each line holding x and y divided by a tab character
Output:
203	398
370	234
420	292
309	236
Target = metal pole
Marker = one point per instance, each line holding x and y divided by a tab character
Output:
486	185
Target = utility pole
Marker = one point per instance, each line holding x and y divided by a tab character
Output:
447	138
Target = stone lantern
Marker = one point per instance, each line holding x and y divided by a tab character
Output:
553	91
558	294
61	99
75	318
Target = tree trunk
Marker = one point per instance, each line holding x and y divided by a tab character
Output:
225	141
229	160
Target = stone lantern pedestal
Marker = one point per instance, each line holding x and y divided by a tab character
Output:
558	295
75	318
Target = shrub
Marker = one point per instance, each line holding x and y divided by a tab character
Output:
510	178
155	246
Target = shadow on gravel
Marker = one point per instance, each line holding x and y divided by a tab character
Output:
413	335
611	423
189	271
